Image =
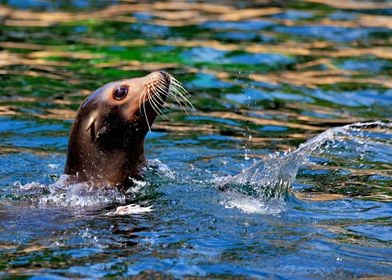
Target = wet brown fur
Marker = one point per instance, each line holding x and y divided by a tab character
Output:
106	141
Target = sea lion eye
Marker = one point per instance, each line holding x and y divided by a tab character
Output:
120	93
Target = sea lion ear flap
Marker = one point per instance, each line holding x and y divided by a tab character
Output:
92	126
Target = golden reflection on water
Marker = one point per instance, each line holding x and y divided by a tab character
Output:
182	14
170	14
312	79
354	5
48	61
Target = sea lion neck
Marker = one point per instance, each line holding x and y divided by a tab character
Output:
104	146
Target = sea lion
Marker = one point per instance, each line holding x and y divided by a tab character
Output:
106	142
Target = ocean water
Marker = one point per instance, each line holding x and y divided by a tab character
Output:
264	179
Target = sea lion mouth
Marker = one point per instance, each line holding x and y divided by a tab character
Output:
166	76
161	85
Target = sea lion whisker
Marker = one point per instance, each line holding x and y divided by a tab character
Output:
160	92
162	89
145	111
181	100
140	103
178	98
158	89
157	94
162	86
177	84
162	81
180	103
158	111
176	91
186	100
179	90
159	99
154	104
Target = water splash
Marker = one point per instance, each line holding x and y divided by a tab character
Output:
86	196
273	177
79	195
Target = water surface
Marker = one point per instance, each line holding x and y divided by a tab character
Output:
264	78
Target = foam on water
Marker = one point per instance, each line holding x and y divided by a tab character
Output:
157	167
63	193
131	209
80	195
252	205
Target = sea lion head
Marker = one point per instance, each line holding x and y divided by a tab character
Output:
132	104
107	138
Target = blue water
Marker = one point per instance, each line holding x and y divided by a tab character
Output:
239	187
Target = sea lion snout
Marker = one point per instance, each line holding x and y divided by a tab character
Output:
166	76
153	96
